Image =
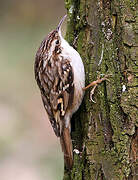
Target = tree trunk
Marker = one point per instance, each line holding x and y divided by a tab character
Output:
105	133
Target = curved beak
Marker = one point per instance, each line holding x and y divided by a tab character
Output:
61	22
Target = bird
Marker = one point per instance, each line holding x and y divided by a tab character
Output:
60	76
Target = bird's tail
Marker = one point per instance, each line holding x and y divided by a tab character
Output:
66	144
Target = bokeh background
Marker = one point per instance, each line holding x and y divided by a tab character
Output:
29	149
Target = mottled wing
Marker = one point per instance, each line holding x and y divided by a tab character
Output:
55	80
44	91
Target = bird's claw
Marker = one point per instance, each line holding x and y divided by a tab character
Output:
95	84
92	93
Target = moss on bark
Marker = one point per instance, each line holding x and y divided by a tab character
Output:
105	132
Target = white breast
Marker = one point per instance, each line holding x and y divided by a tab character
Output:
79	75
76	62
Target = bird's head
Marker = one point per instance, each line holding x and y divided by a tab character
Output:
53	40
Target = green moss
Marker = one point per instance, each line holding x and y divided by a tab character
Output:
104	128
77	168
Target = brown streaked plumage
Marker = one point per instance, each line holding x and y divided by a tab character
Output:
59	73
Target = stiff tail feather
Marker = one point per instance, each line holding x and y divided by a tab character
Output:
66	144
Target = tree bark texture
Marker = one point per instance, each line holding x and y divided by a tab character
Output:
105	133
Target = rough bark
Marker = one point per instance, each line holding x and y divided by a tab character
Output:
105	133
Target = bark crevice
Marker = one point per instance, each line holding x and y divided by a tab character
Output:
105	132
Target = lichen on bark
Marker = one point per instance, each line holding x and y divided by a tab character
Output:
104	33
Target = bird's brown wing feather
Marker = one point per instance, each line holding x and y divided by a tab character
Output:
55	80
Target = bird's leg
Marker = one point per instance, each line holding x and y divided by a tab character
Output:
95	84
98	81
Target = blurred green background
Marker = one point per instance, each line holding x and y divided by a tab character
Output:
29	149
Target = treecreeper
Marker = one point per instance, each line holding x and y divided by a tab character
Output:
59	72
60	75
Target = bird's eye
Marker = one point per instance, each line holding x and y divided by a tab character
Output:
57	42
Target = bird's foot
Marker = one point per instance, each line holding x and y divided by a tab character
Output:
95	84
